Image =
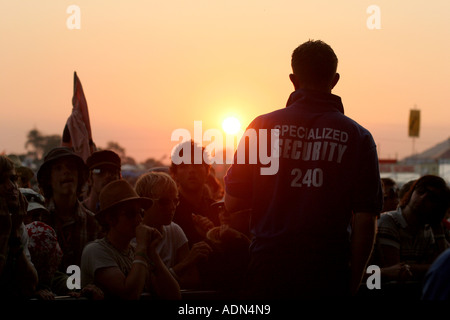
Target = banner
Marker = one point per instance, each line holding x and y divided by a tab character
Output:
77	133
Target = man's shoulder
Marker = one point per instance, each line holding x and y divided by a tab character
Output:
265	118
173	227
391	218
95	246
173	230
286	113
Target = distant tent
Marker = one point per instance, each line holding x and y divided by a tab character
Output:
77	132
440	151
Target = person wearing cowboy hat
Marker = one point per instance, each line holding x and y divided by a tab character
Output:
61	178
120	270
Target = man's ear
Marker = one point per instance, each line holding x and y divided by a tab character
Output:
294	80
335	80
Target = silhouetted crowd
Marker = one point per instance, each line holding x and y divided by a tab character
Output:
173	225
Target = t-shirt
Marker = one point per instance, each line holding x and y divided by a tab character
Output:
327	169
173	239
101	254
414	247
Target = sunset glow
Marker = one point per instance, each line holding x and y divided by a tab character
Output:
151	67
231	125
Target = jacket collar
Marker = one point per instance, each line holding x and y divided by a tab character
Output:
315	98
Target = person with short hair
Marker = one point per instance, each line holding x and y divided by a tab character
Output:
120	270
327	179
173	248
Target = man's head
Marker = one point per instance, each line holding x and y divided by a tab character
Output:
162	189
63	172
314	66
428	199
104	166
9	190
121	207
189	168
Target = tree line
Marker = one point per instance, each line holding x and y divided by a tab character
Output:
39	144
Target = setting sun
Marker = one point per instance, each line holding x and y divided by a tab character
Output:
231	125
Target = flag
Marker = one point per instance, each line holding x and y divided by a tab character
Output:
77	133
414	123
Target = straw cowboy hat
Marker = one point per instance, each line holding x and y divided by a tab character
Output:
116	193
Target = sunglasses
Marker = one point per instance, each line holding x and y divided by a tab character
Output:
131	213
104	171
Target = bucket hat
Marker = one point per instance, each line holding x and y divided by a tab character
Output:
57	154
116	193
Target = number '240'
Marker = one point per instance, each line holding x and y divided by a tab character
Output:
311	178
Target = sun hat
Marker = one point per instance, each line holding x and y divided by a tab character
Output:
103	158
57	154
116	193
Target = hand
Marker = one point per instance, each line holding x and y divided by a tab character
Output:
92	292
147	237
200	251
405	272
202	224
400	271
45	294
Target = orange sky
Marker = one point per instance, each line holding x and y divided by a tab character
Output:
150	67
